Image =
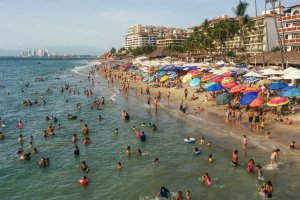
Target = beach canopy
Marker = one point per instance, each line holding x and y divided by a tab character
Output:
292	75
272	72
248	98
224	98
195	82
215	87
256	102
275	78
251	80
278	101
228	82
217	79
237	88
277	86
253	74
252	89
293	92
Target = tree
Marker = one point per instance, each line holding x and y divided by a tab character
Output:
122	49
275	49
113	50
260	36
273	3
244	22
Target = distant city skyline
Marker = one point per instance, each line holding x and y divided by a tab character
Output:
91	27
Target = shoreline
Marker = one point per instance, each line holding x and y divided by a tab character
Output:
281	135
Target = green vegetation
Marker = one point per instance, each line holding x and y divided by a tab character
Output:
113	50
142	50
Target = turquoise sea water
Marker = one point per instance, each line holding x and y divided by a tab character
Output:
178	170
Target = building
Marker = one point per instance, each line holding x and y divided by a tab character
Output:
261	38
289	28
140	35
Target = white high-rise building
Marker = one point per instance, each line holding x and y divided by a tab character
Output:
140	35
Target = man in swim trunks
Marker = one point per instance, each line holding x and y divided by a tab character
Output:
85	129
234	158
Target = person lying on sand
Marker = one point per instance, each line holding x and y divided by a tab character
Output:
287	121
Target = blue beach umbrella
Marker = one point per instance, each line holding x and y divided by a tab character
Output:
248	98
145	79
291	92
206	85
240	72
215	87
251	80
151	79
162	73
288	88
195	82
277	86
173	75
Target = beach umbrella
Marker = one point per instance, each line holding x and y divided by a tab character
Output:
228	82
207	77
253	74
292	75
248	98
256	102
293	92
186	78
240	72
195	82
208	84
162	73
164	78
264	82
194	72
278	101
275	78
224	98
173	75
277	86
237	88
215	87
151	79
217	79
226	74
251	80
146	78
252	89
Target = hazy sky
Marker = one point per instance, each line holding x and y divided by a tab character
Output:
88	26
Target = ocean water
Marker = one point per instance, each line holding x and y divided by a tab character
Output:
178	170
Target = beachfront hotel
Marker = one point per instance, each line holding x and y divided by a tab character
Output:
289	28
140	35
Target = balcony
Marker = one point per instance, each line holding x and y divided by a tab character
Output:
290	41
289	29
288	18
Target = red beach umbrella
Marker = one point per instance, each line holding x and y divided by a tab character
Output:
207	77
228	82
217	79
256	102
237	88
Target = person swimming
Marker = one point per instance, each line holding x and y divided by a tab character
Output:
143	137
206	179
84	167
119	166
250	165
210	158
76	151
197	151
116	131
164	193
139	152
127	152
234	158
84	181
156	161
44	162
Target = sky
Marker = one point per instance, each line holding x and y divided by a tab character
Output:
94	26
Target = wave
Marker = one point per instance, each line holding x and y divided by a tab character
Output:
82	70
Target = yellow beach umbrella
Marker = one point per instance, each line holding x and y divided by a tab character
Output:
186	78
164	78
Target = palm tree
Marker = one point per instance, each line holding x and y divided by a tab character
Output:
260	36
240	13
273	3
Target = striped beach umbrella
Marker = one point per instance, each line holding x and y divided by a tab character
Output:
164	78
194	72
278	101
252	89
208	84
207	77
186	78
248	98
228	82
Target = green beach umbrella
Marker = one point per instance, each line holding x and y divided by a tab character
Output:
224	98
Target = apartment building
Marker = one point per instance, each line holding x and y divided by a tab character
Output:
140	35
289	28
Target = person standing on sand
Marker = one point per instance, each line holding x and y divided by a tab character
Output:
205	101
181	105
250	117
155	103
147	90
168	96
186	93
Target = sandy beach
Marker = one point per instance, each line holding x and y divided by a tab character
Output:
281	134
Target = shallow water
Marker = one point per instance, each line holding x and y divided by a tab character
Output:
178	170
